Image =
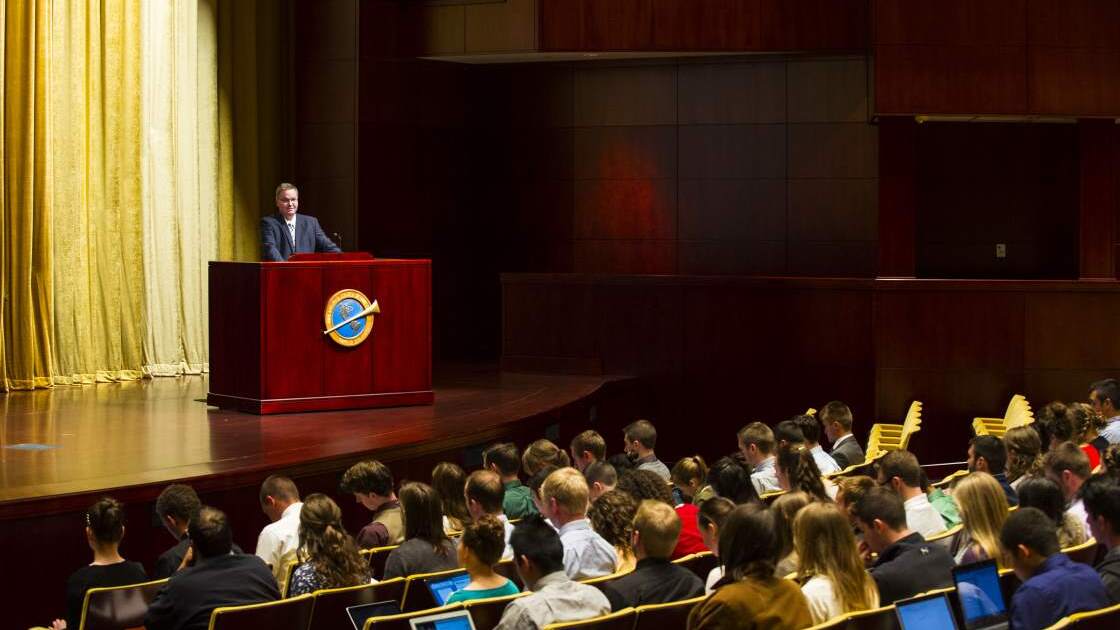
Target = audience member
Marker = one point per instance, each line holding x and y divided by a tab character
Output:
448	481
640	439
835	581
484	495
787	432
176	506
329	556
536	481
1101	495
749	596
983	507
539	557
907	565
756	443
690	478
564	502
1053	585
731	480
371	483
837	420
483	541
426	547
811	430
899	471
1068	466
986	453
943	503
601	478
1110	462
785	509
1024	455
1075	422
587	448
279	540
655	580
218	578
646	484
1105	398
612	518
710	519
104	527
1044	494
621	462
543	453
797	472
849	492
505	460
1087	425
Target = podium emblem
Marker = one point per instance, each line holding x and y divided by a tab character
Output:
348	317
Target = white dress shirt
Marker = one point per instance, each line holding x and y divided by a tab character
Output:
823	460
586	553
765	476
279	541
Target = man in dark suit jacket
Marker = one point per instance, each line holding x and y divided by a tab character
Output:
218	578
837	420
284	234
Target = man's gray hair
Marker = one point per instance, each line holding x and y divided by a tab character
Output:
282	187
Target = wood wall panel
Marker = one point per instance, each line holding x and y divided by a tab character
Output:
951	22
1074	23
922	79
1075	81
707	24
1099	146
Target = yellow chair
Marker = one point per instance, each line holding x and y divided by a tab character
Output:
945	538
1085	553
284	614
621	620
115	607
1018	414
671	615
769	497
949	480
1102	619
377	557
701	564
486	613
416	594
893	437
400	622
285	582
331	604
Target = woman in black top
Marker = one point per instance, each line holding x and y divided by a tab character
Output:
104	531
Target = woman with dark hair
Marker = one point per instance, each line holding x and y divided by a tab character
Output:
449	480
612	517
749	596
426	547
1024	455
543	453
329	556
711	517
1044	494
104	526
731	480
484	541
797	472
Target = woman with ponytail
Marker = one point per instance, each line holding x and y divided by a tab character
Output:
690	477
329	556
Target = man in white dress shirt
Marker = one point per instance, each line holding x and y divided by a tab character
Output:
900	472
279	540
564	500
756	443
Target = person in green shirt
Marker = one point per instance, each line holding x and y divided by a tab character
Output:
943	503
505	459
484	540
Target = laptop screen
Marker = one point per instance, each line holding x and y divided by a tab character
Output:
980	594
926	613
458	620
443	587
358	614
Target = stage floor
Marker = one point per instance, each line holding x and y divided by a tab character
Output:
76	440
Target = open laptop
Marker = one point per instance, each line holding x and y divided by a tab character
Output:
925	612
982	604
458	620
358	614
442	587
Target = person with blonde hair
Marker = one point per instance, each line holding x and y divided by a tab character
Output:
329	555
543	453
785	509
690	477
983	507
655	580
830	561
564	501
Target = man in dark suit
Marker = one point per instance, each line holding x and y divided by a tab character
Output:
837	421
284	234
218	578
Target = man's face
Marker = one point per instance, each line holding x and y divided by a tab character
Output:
368	500
630	447
287	202
271	510
750	453
971	459
1103	407
875	539
830	431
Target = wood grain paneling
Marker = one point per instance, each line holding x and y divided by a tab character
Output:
624	256
949	22
1099	146
1075	81
920	79
706	24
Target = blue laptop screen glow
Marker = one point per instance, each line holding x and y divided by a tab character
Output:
926	614
980	594
459	622
442	588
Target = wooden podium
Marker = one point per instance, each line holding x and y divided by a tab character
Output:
268	353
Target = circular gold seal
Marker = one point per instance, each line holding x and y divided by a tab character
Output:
348	317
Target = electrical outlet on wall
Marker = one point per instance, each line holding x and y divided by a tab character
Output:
1001	250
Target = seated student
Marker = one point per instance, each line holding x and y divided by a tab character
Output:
731	480
1101	494
943	503
534	484
829	560
539	557
601	478
655	580
640	438
564	503
986	453
176	506
448	480
810	429
1053	585
1024	455
711	517
797	472
481	549
483	493
907	564
426	547
899	471
646	484
837	420
104	531
983	506
279	540
1105	398
543	453
756	443
849	491
371	483
329	556
690	478
218	578
587	448
749	596
785	509
1044	494
505	460
1068	466
612	518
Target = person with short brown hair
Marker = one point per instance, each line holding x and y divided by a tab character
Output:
505	459
655	580
1068	466
564	502
899	471
587	448
756	443
484	493
837	420
640	439
481	548
279	540
371	483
